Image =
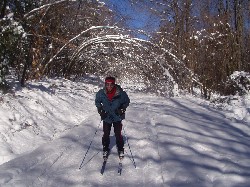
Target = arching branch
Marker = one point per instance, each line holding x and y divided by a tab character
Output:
71	40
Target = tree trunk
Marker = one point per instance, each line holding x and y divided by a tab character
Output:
3	8
238	17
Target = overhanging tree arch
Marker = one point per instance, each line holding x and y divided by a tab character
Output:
159	66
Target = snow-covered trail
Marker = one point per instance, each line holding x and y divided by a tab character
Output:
174	142
201	148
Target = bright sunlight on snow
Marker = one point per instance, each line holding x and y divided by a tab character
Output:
46	129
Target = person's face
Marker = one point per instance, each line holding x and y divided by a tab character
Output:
109	86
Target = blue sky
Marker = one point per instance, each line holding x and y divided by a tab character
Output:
139	18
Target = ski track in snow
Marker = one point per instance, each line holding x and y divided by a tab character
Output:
174	142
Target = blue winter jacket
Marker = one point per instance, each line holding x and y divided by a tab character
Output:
120	100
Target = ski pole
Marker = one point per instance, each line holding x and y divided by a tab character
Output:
133	160
90	145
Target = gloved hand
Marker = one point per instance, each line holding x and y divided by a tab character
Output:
102	113
121	111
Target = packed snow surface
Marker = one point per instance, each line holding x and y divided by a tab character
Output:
47	128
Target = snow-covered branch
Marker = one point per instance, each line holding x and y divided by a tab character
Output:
42	7
83	32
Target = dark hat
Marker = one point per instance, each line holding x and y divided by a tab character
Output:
110	79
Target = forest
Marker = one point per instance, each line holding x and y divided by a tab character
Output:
198	44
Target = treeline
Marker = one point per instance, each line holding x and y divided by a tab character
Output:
212	37
199	42
34	32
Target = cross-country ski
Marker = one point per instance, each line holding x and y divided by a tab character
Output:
103	166
105	159
120	166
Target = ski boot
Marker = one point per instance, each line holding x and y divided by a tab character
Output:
105	153
121	154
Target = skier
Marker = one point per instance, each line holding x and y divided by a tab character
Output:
111	102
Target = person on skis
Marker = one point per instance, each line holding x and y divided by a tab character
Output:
111	102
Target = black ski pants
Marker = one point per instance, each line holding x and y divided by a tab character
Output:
118	135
